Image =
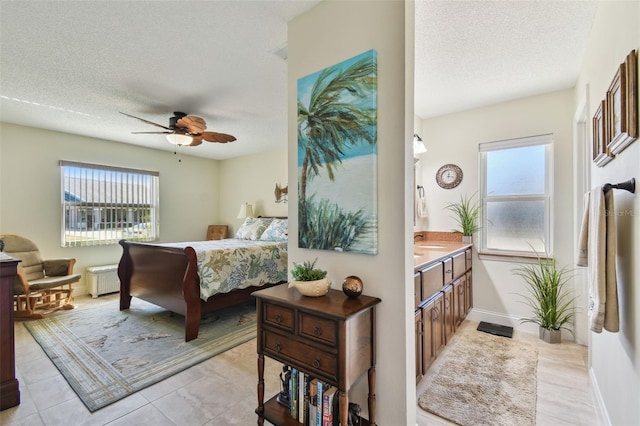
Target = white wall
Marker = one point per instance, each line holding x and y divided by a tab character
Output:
328	34
454	138
30	190
615	357
252	179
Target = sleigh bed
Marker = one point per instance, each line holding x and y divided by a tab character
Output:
194	278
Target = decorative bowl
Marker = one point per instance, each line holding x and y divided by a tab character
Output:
312	288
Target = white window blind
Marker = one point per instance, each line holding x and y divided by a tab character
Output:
104	204
516	192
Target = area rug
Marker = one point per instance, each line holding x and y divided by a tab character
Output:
483	380
106	354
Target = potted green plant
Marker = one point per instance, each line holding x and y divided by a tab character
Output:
549	297
309	280
466	216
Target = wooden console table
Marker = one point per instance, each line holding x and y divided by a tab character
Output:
9	386
330	338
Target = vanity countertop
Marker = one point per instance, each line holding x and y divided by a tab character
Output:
426	252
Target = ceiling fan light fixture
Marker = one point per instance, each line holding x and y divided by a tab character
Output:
178	139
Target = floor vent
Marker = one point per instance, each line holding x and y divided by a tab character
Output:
103	280
497	329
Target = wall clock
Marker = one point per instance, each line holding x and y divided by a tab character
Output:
449	176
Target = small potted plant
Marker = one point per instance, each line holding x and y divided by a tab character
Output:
550	300
309	280
466	215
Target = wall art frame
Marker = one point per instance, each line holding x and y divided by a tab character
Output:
600	131
337	157
622	99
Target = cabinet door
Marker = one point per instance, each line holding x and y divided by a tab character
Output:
428	352
432	280
437	324
418	319
449	315
417	289
468	294
467	255
458	301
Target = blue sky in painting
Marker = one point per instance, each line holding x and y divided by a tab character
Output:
305	84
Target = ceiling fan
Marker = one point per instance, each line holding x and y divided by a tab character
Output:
186	129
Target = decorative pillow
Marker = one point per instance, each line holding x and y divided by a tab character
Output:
252	228
277	231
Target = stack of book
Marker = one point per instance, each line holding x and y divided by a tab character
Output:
311	401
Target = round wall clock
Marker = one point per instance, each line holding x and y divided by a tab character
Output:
449	176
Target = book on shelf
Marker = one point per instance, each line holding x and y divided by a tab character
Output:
293	395
327	405
310	419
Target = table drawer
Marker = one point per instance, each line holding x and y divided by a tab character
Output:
283	348
279	316
317	328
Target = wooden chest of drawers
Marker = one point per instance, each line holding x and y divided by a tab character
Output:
329	337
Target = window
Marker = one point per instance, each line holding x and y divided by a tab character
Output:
515	187
102	204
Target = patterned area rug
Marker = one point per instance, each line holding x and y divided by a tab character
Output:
483	380
106	354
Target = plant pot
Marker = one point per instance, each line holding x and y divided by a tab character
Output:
550	336
467	239
312	288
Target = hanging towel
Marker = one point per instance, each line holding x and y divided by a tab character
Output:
422	203
597	249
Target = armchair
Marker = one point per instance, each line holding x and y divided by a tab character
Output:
42	286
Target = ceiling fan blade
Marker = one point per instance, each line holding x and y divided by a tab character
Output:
153	133
217	137
197	140
146	121
193	124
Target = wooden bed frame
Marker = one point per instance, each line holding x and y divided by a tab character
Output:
168	277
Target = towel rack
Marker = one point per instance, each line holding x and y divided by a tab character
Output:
629	185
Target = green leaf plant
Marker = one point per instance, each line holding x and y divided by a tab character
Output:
549	297
307	271
466	215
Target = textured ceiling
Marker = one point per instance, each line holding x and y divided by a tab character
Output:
475	53
71	66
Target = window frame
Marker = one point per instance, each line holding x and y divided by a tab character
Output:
114	202
545	140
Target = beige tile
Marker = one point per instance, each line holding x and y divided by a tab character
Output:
52	391
199	401
564	396
146	415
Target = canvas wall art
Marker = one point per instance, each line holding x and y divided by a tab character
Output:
337	157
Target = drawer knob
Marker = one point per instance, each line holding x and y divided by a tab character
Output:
277	347
317	331
448	271
316	363
278	319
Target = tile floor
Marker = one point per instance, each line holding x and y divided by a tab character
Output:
184	399
564	393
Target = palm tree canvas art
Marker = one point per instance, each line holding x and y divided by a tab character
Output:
337	157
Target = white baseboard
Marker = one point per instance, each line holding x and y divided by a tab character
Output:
509	320
601	409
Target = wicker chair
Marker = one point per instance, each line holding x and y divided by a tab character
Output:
42	286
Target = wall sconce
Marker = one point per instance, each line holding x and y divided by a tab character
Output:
418	145
282	193
245	211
